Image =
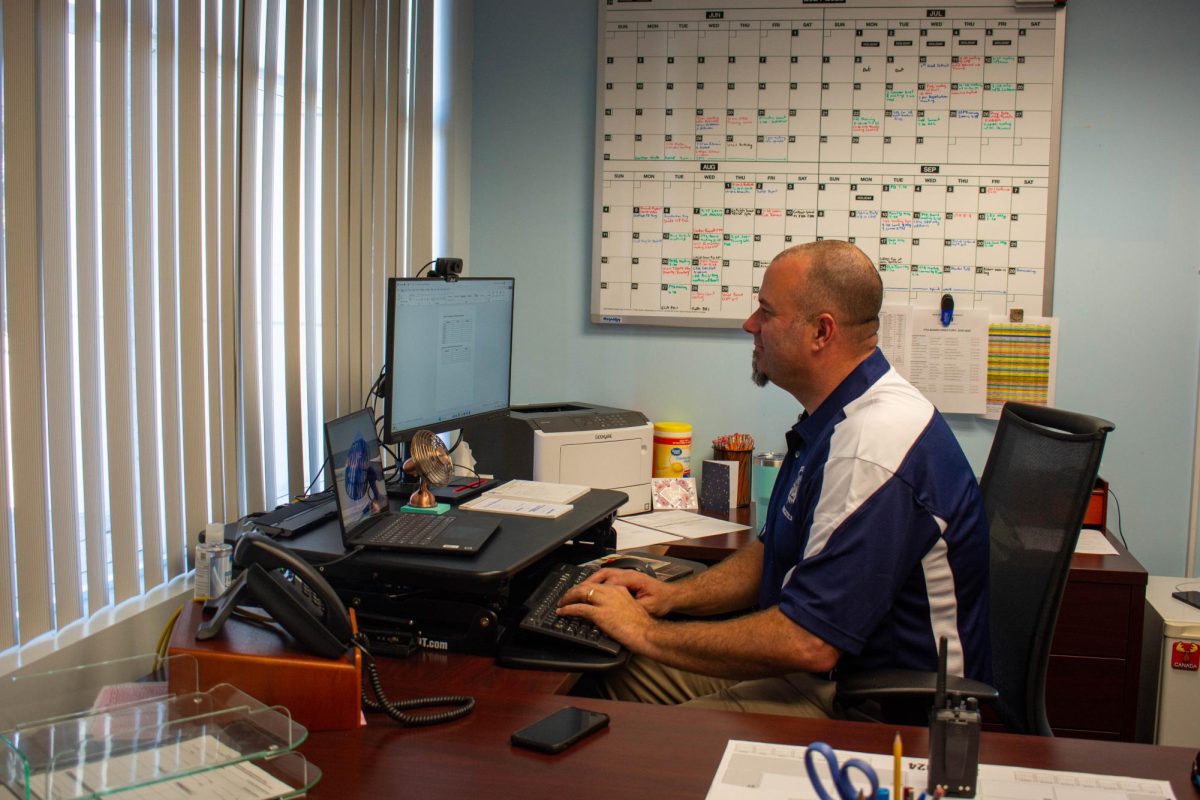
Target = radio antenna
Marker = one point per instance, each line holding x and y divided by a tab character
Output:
939	697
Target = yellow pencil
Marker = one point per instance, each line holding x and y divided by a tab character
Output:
897	759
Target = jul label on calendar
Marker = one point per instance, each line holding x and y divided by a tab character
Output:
1185	655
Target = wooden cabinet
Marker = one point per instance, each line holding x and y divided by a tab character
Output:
1094	679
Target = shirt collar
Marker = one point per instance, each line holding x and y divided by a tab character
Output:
861	378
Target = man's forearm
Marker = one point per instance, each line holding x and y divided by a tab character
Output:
731	585
754	646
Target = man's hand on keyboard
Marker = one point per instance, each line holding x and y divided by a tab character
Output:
652	594
610	606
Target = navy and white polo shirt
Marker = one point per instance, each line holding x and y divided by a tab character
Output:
876	539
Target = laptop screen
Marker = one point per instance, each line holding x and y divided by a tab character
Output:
357	469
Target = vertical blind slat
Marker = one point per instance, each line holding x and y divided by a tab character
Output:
22	298
270	288
420	231
56	309
114	193
293	87
145	367
230	149
312	226
332	162
397	23
22	273
350	31
375	269
210	94
191	268
247	236
402	207
360	151
87	293
167	189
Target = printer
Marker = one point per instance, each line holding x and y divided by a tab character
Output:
581	443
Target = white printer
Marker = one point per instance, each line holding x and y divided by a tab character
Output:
590	445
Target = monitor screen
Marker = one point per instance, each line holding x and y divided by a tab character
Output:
449	353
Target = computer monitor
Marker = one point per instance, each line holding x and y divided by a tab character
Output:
449	353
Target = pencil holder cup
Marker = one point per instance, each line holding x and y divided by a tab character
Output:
742	457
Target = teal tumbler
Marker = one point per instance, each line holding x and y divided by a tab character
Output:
766	469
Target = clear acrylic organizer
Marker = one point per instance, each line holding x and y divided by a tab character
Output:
122	726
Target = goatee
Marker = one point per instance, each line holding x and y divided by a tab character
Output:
758	376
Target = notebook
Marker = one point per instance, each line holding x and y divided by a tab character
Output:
362	499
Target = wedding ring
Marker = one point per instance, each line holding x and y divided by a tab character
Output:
588	599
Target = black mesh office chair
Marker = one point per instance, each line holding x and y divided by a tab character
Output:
1036	486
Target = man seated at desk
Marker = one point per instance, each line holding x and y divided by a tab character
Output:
875	542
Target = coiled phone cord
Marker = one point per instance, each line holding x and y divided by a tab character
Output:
397	710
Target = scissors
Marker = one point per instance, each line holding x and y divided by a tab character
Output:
841	773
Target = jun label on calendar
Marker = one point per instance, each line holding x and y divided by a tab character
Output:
929	141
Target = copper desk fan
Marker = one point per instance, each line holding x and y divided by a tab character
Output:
430	463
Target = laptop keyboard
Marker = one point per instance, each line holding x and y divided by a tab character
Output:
408	530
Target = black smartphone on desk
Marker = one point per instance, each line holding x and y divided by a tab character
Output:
560	730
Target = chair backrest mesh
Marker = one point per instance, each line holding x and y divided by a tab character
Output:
1036	486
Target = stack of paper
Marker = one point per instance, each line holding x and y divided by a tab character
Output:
643	530
528	499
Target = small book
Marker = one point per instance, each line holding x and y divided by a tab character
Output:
718	485
539	491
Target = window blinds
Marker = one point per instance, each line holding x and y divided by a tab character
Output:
202	202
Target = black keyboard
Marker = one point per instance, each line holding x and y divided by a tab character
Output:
542	616
408	530
296	517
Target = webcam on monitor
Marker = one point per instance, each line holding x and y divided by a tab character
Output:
447	268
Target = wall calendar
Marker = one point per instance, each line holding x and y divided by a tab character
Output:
927	134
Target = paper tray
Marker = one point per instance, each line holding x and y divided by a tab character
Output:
90	732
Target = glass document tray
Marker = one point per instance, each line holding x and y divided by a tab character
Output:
141	728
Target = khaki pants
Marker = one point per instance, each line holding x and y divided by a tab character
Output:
644	680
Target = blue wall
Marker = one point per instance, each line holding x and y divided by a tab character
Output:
1126	285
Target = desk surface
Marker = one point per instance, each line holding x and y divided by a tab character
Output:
520	542
647	751
1119	568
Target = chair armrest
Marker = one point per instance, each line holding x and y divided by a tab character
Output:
889	684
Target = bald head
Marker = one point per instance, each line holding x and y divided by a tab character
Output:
841	280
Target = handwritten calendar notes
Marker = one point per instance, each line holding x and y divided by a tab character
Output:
726	136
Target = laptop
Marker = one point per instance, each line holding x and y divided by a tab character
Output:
362	499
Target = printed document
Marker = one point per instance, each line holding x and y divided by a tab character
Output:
631	537
684	524
522	508
757	771
539	491
240	780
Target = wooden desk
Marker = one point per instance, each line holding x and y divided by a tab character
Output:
647	751
1097	648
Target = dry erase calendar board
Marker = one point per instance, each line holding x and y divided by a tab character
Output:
927	134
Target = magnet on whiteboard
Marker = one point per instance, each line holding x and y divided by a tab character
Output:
947	310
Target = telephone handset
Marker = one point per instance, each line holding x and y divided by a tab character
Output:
296	596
